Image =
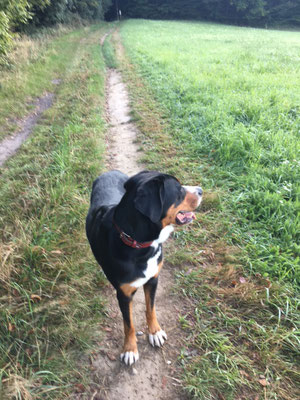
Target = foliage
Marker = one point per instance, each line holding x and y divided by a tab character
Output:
283	12
89	9
16	15
5	36
60	11
12	14
250	12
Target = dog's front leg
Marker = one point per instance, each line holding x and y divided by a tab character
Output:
130	351
157	336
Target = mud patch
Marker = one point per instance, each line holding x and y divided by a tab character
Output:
10	145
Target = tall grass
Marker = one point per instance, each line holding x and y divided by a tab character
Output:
232	98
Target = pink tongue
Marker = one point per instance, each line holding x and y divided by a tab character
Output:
186	216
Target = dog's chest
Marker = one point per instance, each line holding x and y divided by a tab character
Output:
150	271
153	264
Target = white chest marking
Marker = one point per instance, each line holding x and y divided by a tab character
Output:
152	264
149	272
163	236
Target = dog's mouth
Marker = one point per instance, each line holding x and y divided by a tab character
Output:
185	217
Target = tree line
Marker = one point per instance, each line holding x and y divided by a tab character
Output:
19	15
242	12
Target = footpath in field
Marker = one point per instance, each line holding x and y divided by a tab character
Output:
10	145
154	375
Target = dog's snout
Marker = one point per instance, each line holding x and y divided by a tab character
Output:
194	189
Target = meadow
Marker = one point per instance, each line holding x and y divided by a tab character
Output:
231	96
219	106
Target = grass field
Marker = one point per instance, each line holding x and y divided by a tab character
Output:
232	98
50	304
219	106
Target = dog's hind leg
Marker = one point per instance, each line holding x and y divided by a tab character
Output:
157	336
130	351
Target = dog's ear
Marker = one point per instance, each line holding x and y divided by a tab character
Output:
149	199
135	179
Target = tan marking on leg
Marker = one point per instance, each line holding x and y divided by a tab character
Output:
127	289
129	331
160	265
152	322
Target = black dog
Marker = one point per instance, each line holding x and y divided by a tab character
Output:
128	220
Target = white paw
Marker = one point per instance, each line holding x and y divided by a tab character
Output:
158	339
129	357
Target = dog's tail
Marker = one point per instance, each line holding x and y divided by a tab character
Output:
108	189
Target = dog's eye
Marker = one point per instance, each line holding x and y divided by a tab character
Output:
180	196
182	192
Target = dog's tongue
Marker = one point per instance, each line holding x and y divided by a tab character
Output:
186	217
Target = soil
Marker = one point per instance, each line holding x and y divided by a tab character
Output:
10	145
155	374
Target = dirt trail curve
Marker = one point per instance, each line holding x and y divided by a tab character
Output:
10	145
154	375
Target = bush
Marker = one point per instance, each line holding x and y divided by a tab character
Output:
5	36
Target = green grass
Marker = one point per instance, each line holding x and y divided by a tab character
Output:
34	64
109	55
231	98
240	311
51	307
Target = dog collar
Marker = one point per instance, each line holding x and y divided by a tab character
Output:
126	239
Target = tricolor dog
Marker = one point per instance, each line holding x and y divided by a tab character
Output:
128	220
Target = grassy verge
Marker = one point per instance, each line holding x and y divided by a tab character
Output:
240	323
51	307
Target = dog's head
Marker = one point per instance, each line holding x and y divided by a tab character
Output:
161	198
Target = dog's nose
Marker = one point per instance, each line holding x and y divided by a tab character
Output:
199	191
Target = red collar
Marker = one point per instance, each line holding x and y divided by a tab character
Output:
129	241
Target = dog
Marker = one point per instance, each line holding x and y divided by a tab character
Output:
128	220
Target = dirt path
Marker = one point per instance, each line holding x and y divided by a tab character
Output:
10	145
122	150
154	375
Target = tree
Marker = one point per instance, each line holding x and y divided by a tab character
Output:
246	12
17	14
282	12
61	11
12	14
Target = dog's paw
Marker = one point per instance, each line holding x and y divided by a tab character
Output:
129	357
158	339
